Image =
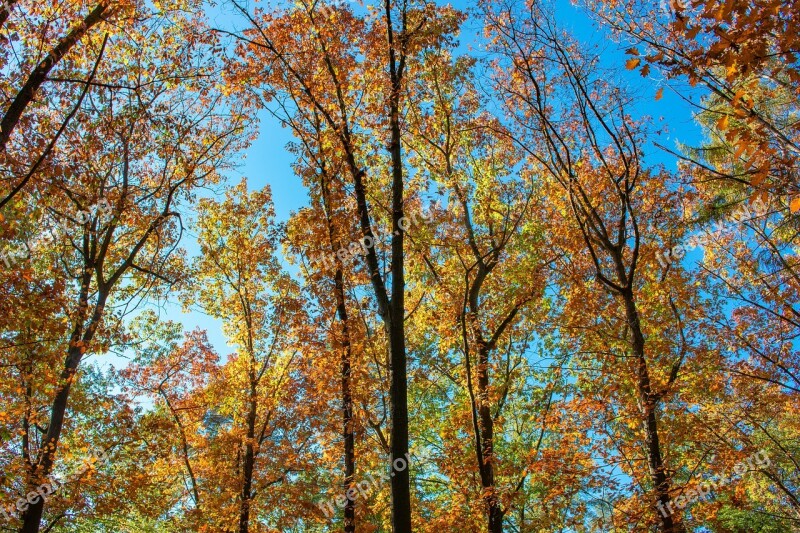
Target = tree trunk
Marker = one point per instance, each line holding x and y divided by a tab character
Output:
401	481
658	474
249	461
494	510
348	432
79	340
32	517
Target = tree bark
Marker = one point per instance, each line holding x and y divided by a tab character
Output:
32	516
649	402
348	433
401	480
494	510
393	308
249	460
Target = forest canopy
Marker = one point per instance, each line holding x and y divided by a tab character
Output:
295	266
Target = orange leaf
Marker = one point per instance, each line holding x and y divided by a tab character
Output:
632	63
794	206
760	176
723	123
659	93
740	150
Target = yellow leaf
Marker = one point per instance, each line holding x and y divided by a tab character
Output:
632	63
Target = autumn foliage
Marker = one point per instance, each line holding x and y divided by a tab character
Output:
519	294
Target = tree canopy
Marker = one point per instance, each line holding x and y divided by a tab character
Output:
543	276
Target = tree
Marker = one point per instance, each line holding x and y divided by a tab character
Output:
742	53
107	221
488	279
326	83
32	68
242	284
575	129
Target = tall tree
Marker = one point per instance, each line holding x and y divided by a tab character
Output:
491	278
322	72
243	285
107	219
576	129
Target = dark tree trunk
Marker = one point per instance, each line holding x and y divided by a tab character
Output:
249	461
494	510
348	432
401	481
32	517
649	401
79	339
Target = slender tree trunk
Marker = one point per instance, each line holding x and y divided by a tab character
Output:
481	404
398	393
401	480
348	432
662	507
32	517
391	305
79	340
494	510
249	461
185	447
